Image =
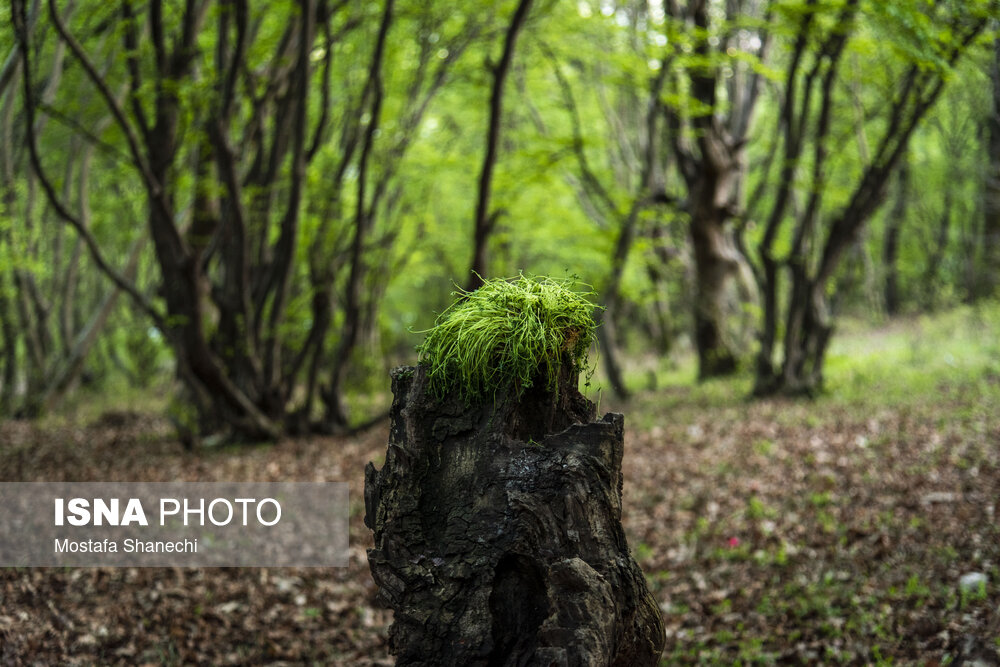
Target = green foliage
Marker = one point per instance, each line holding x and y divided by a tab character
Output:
427	149
508	333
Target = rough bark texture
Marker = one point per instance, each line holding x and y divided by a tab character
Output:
498	536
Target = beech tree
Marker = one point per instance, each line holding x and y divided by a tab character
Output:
716	88
224	111
682	132
926	41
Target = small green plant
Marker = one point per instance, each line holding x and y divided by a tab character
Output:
915	588
820	499
764	447
508	333
644	552
976	593
756	509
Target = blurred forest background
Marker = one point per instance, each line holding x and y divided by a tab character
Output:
251	206
224	221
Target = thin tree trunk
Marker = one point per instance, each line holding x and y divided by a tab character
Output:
890	245
485	220
71	367
990	277
936	252
790	128
29	317
608	319
660	329
335	415
8	385
8	329
273	399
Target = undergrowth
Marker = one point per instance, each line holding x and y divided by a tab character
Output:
507	334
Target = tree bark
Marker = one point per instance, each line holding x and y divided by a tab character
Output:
8	384
890	245
716	263
498	536
991	199
937	247
712	165
807	335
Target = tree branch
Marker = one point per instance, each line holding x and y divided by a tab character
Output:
20	25
116	110
132	59
288	241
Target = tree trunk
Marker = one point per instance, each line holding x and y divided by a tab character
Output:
69	368
485	220
807	335
607	339
715	266
714	174
607	319
8	383
991	199
498	536
335	419
890	246
936	252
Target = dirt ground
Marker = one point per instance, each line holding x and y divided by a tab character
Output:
769	532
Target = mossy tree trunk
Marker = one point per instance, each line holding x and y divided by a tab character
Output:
498	535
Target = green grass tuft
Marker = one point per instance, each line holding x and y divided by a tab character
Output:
508	333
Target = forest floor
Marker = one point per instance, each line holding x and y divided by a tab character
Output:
830	531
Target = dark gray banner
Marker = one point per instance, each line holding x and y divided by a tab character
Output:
173	524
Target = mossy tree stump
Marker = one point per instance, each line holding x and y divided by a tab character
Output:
498	536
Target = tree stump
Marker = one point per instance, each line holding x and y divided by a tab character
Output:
498	536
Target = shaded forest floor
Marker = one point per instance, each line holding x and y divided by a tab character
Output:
831	531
